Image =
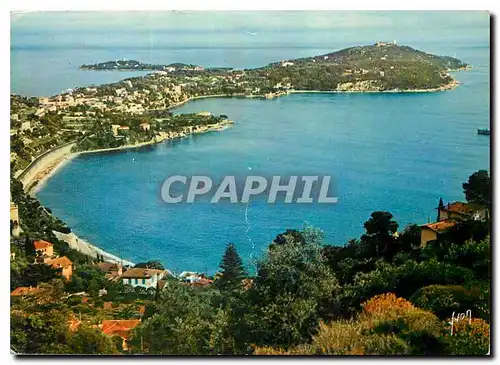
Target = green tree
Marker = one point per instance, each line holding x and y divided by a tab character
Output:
39	332
91	341
153	264
379	238
292	288
180	324
477	189
233	271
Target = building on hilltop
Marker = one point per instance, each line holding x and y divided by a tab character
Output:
380	43
448	216
111	271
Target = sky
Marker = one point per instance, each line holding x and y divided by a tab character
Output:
251	20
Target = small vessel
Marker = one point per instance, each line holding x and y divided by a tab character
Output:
484	132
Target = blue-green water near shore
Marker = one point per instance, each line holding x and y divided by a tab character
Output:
395	152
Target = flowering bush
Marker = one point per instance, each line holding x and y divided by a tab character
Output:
383	303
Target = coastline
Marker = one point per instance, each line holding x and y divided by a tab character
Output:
85	247
450	86
47	171
52	167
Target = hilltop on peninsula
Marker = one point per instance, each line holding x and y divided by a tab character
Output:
111	115
383	66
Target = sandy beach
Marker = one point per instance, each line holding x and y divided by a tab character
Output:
83	246
53	165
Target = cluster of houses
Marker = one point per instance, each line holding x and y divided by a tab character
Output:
45	255
448	216
133	276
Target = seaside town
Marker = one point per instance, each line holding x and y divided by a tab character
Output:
392	291
136	111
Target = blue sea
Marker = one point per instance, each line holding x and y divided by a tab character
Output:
393	152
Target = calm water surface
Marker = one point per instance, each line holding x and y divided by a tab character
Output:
395	152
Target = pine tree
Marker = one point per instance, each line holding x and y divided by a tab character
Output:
440	208
29	248
233	271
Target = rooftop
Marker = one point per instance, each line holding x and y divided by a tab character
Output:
439	226
108	266
24	290
461	208
119	327
60	262
139	272
39	245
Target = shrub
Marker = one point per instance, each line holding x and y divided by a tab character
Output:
443	300
468	339
338	338
382	303
386	315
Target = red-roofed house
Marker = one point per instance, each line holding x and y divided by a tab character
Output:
119	327
460	210
44	248
24	290
431	231
64	264
111	270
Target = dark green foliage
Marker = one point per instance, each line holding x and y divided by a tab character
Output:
233	271
292	288
91	341
478	188
153	264
32	275
180	324
443	300
379	240
290	235
41	332
87	278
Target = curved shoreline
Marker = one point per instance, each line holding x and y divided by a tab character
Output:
84	246
73	240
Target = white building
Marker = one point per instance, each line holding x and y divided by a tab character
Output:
147	278
188	276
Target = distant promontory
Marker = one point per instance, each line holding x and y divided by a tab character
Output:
383	66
